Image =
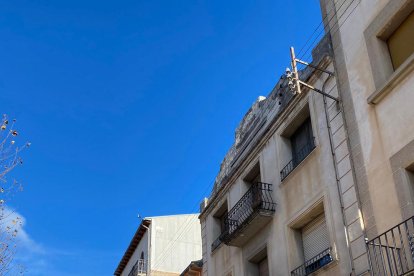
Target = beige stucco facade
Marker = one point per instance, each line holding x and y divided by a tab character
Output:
379	102
360	175
320	185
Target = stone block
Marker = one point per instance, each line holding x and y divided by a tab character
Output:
336	123
341	151
355	230
361	265
339	137
333	111
349	197
344	166
352	213
358	247
346	181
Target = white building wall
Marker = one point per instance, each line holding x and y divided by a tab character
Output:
175	242
142	247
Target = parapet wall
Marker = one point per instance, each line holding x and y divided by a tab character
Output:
264	111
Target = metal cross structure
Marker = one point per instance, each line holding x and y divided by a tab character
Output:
293	76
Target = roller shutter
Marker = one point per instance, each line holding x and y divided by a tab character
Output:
315	237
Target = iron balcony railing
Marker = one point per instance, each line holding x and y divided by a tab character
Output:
218	241
258	199
297	158
313	264
392	252
139	268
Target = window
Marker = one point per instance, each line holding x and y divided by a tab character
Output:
134	270
301	145
141	264
219	227
315	241
309	240
401	42
252	178
254	175
390	44
264	267
259	264
402	167
409	171
302	141
316	246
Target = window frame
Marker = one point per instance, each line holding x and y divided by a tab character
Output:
218	217
314	210
376	35
286	150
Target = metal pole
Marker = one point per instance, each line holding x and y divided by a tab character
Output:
319	91
295	70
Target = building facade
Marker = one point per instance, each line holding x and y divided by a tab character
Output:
315	185
373	45
278	206
161	247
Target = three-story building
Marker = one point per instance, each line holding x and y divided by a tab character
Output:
280	204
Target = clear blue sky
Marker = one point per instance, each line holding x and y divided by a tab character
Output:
130	107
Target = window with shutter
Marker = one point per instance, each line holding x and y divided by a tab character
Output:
315	238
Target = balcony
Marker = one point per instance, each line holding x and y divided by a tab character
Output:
392	252
313	264
298	157
218	241
253	211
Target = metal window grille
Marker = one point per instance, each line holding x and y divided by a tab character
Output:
257	199
297	158
315	263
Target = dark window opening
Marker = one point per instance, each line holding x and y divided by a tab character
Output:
259	264
302	143
220	226
401	42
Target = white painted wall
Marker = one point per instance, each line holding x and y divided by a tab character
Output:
175	242
142	247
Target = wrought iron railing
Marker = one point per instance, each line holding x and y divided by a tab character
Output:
313	264
139	268
392	252
218	241
298	157
258	199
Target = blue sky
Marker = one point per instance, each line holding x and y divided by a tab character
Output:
130	107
